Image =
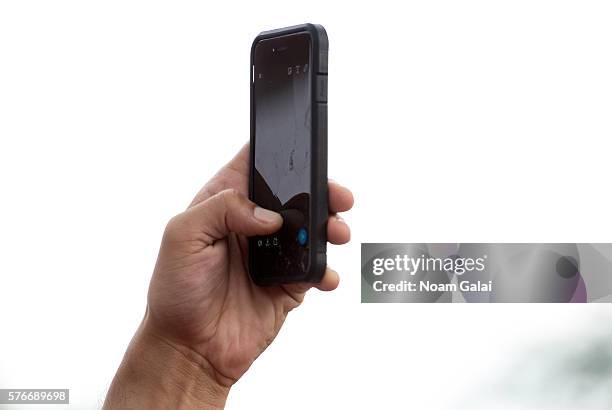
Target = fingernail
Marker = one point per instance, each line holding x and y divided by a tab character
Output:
266	216
340	219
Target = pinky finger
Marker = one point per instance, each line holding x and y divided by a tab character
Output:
330	280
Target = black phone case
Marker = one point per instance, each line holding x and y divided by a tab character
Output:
318	198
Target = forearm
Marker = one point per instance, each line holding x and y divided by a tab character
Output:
156	374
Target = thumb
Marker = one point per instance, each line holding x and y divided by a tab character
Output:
225	212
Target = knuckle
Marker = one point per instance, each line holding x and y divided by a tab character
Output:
231	196
231	193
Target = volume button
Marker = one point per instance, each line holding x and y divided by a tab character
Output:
322	121
323	61
321	88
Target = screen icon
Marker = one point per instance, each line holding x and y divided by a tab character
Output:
302	236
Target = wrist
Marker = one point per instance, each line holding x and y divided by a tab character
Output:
159	373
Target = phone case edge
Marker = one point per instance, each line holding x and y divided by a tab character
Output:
319	194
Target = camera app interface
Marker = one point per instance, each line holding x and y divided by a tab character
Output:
282	152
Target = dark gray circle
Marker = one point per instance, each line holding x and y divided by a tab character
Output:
567	267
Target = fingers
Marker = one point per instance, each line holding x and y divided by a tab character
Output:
338	232
296	291
225	212
234	175
240	162
340	198
330	280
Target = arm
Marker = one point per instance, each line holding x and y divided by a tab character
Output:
156	373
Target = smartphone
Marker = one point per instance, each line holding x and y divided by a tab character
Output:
288	168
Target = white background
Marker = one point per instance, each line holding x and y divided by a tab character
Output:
451	121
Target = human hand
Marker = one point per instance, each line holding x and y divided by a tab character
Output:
203	309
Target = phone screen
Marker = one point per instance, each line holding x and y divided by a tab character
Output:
282	162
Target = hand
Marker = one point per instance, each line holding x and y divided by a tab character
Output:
203	309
